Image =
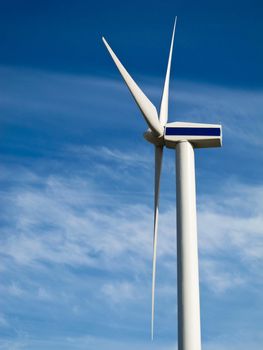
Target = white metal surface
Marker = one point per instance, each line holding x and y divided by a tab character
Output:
158	165
165	97
189	333
158	168
147	108
198	141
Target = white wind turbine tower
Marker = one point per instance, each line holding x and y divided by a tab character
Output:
183	137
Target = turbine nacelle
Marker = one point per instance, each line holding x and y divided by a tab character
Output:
198	134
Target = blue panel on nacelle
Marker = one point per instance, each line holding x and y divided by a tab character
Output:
180	131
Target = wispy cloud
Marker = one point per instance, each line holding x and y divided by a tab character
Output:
219	277
65	221
15	290
83	343
43	294
64	224
120	291
3	321
234	216
122	158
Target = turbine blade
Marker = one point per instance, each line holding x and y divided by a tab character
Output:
165	97
147	108
158	168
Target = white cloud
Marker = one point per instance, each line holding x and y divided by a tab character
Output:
3	321
120	291
233	217
218	278
66	222
82	343
93	343
15	290
130	158
43	294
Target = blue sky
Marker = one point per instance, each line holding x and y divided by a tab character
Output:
76	176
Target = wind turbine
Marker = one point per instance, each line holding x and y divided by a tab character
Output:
183	137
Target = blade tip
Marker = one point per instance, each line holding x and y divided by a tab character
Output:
105	42
175	21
